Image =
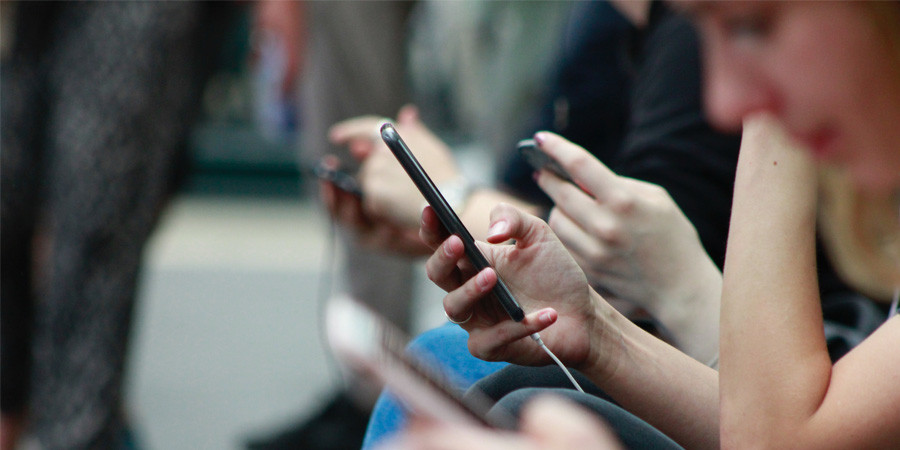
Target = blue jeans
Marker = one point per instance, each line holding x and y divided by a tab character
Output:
445	346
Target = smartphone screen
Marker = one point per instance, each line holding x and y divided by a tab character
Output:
376	349
447	216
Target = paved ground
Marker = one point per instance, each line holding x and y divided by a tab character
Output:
226	340
226	343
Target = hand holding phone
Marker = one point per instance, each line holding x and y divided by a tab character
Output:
342	180
539	160
447	216
376	349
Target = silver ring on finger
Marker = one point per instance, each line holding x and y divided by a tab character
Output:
458	322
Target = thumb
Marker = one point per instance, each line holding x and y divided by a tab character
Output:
509	222
361	149
408	115
557	423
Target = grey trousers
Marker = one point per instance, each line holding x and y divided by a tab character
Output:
356	64
96	102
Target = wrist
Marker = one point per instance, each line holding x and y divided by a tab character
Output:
607	343
691	312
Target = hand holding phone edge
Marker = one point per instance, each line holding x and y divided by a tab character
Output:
446	215
539	160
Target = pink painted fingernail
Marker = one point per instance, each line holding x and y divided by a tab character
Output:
481	280
447	250
539	138
499	227
545	317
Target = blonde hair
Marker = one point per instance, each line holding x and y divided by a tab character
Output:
862	229
862	233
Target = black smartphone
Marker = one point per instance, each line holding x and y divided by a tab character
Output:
446	215
539	160
343	180
375	349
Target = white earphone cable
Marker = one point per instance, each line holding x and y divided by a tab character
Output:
537	338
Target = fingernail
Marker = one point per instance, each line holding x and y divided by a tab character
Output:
498	228
539	138
545	317
447	250
481	280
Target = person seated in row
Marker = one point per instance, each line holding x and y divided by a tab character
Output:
667	143
827	73
652	258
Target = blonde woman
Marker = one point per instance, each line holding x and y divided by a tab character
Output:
820	76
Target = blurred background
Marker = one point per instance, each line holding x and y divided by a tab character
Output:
170	135
165	254
227	341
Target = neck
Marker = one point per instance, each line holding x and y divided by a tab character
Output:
636	11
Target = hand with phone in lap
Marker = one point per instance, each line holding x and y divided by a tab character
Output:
546	423
342	197
390	195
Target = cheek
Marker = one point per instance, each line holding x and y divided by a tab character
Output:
875	176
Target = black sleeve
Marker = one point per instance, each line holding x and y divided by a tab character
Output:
670	142
588	99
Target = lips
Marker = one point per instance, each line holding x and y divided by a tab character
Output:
820	143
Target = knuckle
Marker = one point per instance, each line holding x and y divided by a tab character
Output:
608	233
471	288
578	161
622	204
432	276
477	352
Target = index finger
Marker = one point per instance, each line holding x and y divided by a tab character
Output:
586	170
362	127
432	231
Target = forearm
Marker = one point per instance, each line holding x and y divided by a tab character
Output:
651	379
774	364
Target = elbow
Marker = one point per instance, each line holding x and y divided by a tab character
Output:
738	430
768	436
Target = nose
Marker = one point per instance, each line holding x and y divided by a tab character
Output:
734	89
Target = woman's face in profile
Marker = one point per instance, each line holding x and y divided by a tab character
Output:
824	68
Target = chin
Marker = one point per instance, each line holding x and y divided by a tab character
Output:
876	178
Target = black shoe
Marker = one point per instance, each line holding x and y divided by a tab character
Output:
339	425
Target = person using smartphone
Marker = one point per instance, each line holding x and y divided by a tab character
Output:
669	274
805	80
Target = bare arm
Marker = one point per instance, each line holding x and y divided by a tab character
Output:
648	377
778	387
